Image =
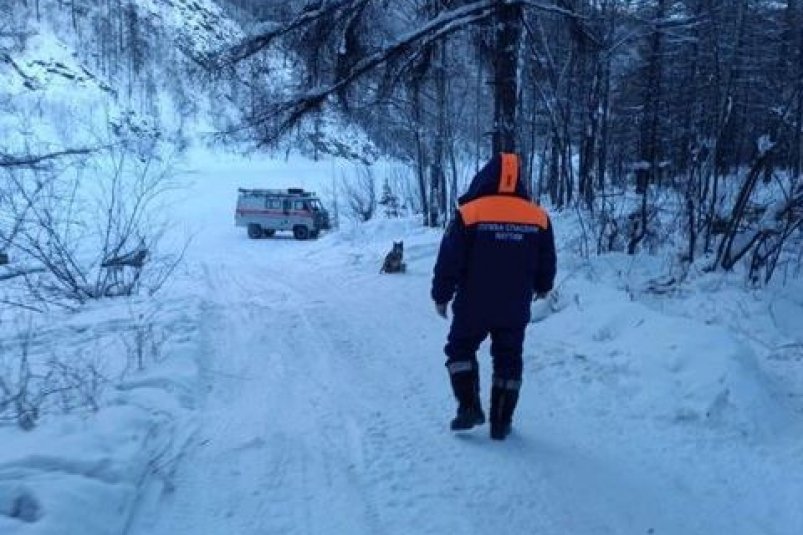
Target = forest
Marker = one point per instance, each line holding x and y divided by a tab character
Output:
661	120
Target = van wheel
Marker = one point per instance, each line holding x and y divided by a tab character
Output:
268	232
300	232
254	231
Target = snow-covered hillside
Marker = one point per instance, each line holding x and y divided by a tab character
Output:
76	76
95	75
299	391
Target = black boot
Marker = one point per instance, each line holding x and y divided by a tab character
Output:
504	397
467	418
465	384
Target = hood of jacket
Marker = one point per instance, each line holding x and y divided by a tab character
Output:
500	176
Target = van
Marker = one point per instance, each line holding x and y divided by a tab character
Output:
266	211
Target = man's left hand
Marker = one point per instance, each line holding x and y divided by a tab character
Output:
441	309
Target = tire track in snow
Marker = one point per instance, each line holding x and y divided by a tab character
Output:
263	461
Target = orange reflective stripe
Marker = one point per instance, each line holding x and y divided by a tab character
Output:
509	175
503	209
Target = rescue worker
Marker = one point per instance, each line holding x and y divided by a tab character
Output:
496	254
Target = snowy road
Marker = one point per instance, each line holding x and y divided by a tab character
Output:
326	412
325	408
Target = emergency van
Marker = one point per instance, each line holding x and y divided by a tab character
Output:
265	211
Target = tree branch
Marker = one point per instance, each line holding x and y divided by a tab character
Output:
291	112
35	160
311	13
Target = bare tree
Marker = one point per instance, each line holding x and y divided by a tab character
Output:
360	193
107	204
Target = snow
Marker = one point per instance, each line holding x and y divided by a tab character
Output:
79	471
300	391
199	24
64	94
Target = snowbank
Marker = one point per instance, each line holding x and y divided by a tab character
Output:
83	471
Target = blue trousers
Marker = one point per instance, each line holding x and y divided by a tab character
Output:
506	348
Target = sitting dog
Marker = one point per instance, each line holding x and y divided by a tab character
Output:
394	259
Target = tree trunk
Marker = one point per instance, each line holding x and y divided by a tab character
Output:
508	34
797	142
648	171
589	142
725	256
555	182
650	152
421	164
602	155
724	105
438	173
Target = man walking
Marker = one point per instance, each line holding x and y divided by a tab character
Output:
495	255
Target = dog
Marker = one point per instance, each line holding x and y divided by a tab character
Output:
394	259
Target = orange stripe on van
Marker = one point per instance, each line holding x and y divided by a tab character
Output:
509	175
503	209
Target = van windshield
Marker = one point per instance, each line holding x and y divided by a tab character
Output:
316	205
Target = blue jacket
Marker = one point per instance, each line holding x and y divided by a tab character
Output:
497	251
